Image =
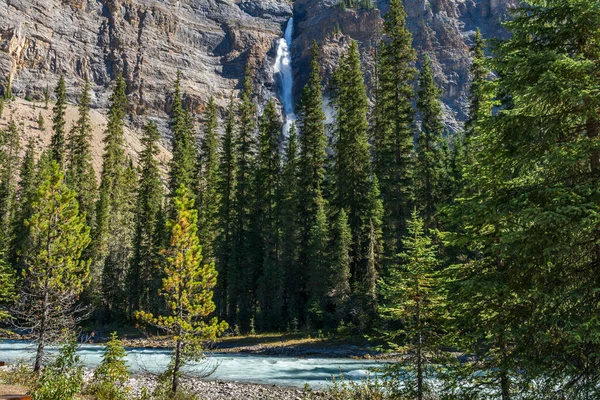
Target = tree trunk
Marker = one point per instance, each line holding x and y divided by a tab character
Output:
176	365
419	348
39	356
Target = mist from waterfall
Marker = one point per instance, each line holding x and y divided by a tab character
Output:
283	69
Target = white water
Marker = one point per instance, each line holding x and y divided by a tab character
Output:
283	69
284	371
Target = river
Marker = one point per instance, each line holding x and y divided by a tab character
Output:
283	371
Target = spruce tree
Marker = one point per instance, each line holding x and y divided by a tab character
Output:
27	188
187	290
412	297
267	220
431	177
311	164
226	190
391	131
530	220
143	271
114	222
9	165
318	266
55	274
243	276
290	228
7	288
208	194
351	169
58	141
80	173
182	170
339	276
479	101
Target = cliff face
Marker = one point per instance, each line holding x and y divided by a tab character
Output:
212	40
146	41
444	29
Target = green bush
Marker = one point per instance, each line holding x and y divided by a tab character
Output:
111	376
21	375
63	379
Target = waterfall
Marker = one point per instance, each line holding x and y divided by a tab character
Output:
283	69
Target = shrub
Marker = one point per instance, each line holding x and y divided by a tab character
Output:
111	376
62	379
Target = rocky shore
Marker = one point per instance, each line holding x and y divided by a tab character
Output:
218	390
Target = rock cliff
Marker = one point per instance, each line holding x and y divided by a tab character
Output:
211	41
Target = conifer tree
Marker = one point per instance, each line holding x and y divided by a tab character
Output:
290	227
243	275
226	190
431	177
183	145
9	165
58	141
340	265
80	174
111	376
114	221
27	188
311	163
531	219
7	288
208	194
187	290
479	99
55	274
391	131
318	265
142	282
351	169
267	217
411	295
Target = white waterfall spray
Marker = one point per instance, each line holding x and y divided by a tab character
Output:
283	69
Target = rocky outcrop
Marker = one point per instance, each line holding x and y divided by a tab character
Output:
210	41
443	29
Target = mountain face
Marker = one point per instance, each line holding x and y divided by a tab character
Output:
212	41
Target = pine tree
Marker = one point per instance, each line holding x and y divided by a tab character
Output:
226	190
55	274
311	163
392	133
208	194
318	265
114	222
411	295
431	177
183	145
9	165
142	282
80	173
240	283
267	219
187	290
351	169
290	228
58	141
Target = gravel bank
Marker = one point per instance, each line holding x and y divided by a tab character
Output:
217	390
